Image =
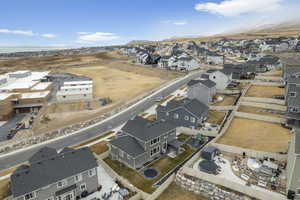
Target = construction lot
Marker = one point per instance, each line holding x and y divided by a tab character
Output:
264	91
114	78
227	101
215	117
256	135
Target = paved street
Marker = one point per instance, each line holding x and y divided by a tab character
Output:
10	160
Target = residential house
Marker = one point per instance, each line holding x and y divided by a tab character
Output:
214	58
50	175
293	167
221	79
292	97
239	71
186	113
142	141
202	90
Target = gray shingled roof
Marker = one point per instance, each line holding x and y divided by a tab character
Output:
129	145
208	83
47	171
192	105
145	129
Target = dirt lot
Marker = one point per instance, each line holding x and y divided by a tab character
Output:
257	110
215	117
4	188
228	100
257	135
114	77
176	192
264	91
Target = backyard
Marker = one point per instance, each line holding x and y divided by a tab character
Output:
163	165
216	117
227	101
176	192
257	110
257	135
264	91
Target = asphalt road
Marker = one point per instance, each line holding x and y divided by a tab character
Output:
18	157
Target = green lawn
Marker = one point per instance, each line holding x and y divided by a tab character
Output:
164	165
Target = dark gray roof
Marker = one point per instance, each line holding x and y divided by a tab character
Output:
205	76
44	172
129	145
194	106
145	129
208	83
44	153
208	166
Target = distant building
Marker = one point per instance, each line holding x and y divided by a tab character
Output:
56	176
23	92
214	58
202	90
75	91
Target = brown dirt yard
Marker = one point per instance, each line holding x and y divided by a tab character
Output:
228	100
256	135
176	192
264	91
257	110
114	77
216	117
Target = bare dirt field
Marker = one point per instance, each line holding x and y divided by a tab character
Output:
257	110
114	77
256	135
216	117
228	100
264	91
176	192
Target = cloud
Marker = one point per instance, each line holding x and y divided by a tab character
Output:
97	37
238	7
49	35
17	32
177	23
83	33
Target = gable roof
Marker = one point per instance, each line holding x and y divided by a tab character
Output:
193	106
52	169
145	129
129	145
208	83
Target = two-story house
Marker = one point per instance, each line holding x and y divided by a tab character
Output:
293	167
183	113
292	97
202	90
56	176
142	141
221	79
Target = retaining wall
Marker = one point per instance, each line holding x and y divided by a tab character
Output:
260	117
263	100
250	191
222	108
264	105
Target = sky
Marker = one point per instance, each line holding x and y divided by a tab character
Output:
76	23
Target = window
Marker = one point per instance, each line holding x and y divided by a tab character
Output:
298	191
78	178
293	94
193	119
61	184
186	118
154	151
165	145
121	153
83	187
154	141
92	172
167	113
84	95
29	196
64	96
176	116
